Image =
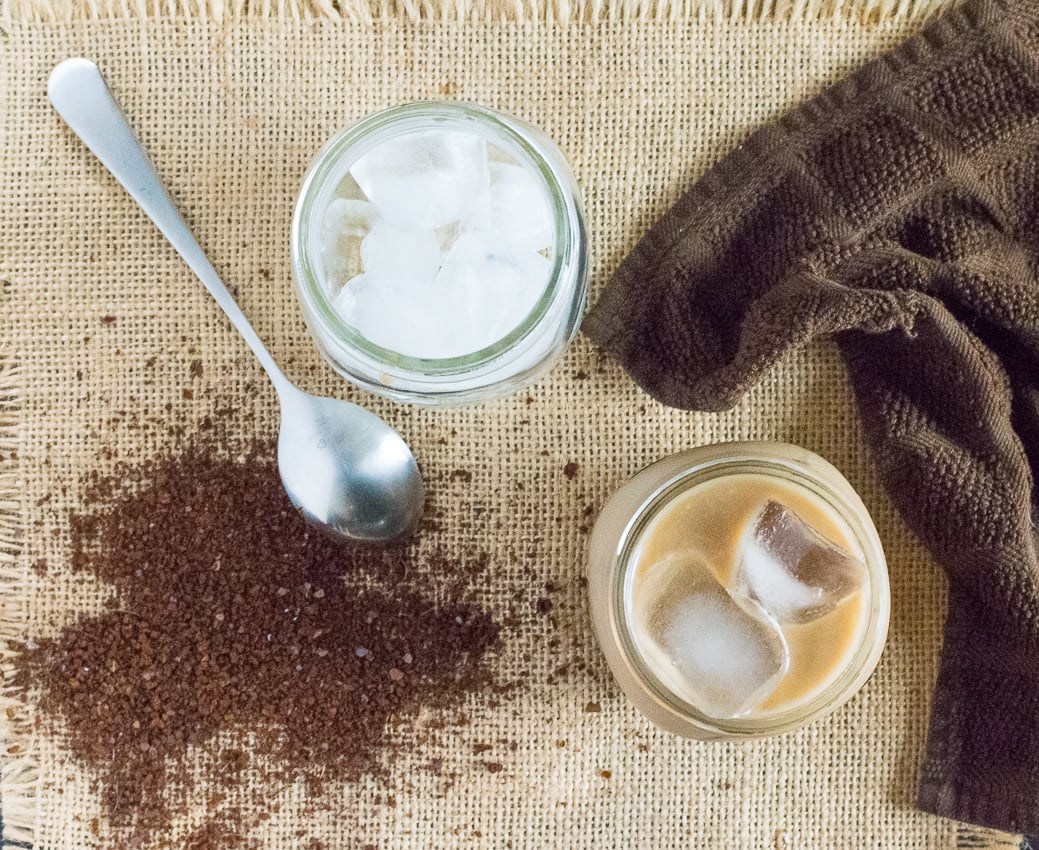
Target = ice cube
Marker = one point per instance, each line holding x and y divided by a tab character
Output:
344	223
480	292
425	179
348	217
722	655
386	316
794	572
393	257
519	207
461	283
492	285
404	319
346	300
536	270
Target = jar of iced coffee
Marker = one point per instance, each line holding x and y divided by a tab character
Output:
738	590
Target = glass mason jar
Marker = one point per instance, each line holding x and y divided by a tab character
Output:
521	355
621	528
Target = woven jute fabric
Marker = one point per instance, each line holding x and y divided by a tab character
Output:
101	322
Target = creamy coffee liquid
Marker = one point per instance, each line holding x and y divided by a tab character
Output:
690	631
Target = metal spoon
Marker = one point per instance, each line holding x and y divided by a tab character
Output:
343	467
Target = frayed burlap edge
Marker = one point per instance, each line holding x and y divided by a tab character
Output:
978	838
19	773
521	11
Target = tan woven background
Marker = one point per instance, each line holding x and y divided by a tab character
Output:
232	115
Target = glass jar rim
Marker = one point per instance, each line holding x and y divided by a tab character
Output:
415	117
746	460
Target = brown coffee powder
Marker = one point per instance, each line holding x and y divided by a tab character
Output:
232	614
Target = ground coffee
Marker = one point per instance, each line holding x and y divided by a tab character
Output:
232	614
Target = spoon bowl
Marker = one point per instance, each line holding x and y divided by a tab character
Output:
346	470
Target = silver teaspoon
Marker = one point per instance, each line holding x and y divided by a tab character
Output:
344	468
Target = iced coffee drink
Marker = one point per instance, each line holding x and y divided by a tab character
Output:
748	595
738	590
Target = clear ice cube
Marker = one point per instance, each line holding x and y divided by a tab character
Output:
722	655
417	319
425	179
519	207
492	285
344	223
346	300
348	217
385	315
794	572
392	256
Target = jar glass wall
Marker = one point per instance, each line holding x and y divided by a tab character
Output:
539	336
619	537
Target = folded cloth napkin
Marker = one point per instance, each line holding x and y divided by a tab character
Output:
899	210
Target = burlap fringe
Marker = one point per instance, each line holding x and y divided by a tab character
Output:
520	11
18	775
977	838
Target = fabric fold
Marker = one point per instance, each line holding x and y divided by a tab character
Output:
899	212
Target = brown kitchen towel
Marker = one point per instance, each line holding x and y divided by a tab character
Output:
898	210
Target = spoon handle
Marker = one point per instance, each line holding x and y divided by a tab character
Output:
79	94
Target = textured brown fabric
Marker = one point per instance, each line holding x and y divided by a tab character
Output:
899	210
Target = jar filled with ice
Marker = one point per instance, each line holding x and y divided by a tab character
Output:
440	254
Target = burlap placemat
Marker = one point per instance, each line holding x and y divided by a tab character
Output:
101	323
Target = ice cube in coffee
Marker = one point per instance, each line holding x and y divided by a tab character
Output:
749	596
794	572
723	654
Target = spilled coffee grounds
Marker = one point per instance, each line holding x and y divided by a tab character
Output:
232	614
